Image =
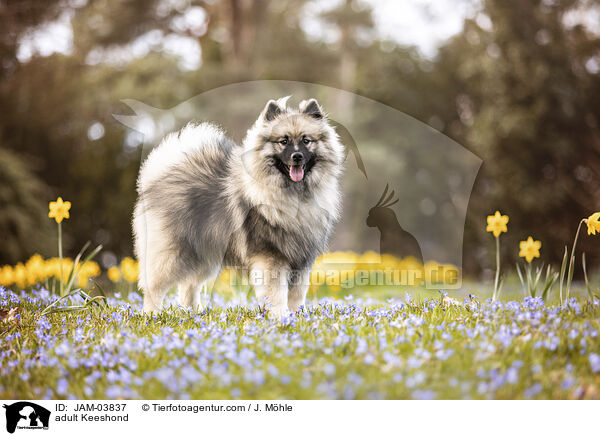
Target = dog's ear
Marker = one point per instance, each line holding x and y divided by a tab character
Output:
271	111
312	108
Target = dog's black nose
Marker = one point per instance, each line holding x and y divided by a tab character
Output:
297	157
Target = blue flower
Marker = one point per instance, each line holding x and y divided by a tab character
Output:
594	362
423	395
62	385
533	390
329	369
567	383
443	354
113	392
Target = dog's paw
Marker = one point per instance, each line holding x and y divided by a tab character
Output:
150	307
279	312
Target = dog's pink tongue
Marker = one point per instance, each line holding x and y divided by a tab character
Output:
296	173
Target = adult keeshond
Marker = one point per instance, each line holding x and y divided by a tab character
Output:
267	206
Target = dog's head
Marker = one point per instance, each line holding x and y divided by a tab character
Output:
294	147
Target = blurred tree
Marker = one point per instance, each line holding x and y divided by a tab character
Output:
350	18
24	223
17	18
526	100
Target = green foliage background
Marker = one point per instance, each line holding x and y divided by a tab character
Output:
520	89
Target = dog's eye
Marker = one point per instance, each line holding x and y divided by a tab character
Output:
306	141
284	141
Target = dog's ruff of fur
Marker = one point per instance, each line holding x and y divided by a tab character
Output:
205	202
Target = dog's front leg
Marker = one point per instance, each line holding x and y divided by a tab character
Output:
299	284
270	281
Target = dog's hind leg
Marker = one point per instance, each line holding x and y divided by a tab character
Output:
190	293
154	294
153	299
190	290
157	276
157	261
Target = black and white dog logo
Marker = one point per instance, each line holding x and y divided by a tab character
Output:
26	415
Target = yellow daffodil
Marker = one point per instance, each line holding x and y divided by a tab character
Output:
370	257
91	268
6	275
87	270
82	280
54	266
59	209
20	275
114	274
497	224
593	223
35	269
130	269
529	249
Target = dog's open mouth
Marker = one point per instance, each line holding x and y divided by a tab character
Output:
296	172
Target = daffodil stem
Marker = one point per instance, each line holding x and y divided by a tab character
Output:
572	261
497	279
60	257
529	279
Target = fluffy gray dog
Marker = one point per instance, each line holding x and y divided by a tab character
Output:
267	206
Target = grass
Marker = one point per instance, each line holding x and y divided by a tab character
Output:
351	348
